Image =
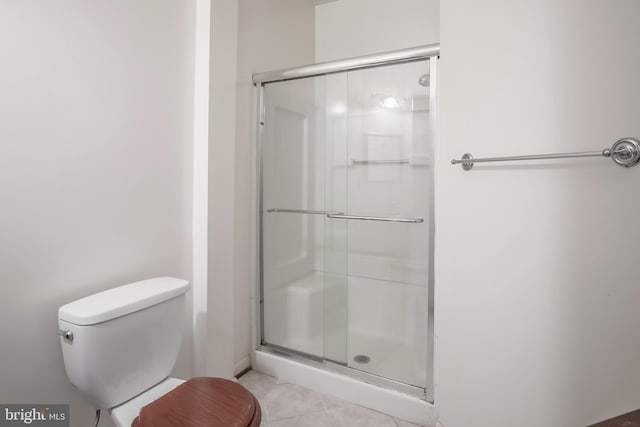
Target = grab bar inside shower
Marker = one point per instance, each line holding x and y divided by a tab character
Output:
380	162
341	215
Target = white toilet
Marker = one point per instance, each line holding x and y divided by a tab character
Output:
119	347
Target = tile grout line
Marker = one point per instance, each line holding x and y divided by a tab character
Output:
326	408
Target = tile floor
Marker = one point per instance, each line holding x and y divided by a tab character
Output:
289	405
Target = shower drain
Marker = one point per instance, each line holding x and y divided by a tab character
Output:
362	358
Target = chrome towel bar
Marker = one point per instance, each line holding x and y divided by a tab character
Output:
303	211
340	215
376	218
624	152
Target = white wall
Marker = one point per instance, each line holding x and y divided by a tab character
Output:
271	35
200	226
222	115
536	293
349	28
95	170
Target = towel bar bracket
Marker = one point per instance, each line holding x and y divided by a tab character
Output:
625	152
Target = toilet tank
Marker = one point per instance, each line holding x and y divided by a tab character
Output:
125	339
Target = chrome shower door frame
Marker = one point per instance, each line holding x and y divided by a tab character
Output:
430	52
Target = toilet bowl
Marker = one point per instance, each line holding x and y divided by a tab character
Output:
119	347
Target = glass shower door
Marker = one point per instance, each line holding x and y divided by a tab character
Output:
346	184
301	287
388	192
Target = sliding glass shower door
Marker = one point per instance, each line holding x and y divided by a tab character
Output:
346	219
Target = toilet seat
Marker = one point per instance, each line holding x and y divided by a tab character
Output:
202	402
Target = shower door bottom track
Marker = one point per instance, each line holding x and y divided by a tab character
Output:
343	369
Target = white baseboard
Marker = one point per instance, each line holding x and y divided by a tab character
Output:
241	365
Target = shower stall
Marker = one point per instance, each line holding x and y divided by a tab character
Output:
345	155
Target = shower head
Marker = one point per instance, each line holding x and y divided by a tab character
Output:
424	80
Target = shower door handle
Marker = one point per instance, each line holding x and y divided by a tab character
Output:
304	211
376	218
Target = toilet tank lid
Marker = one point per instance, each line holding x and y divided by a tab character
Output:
123	300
